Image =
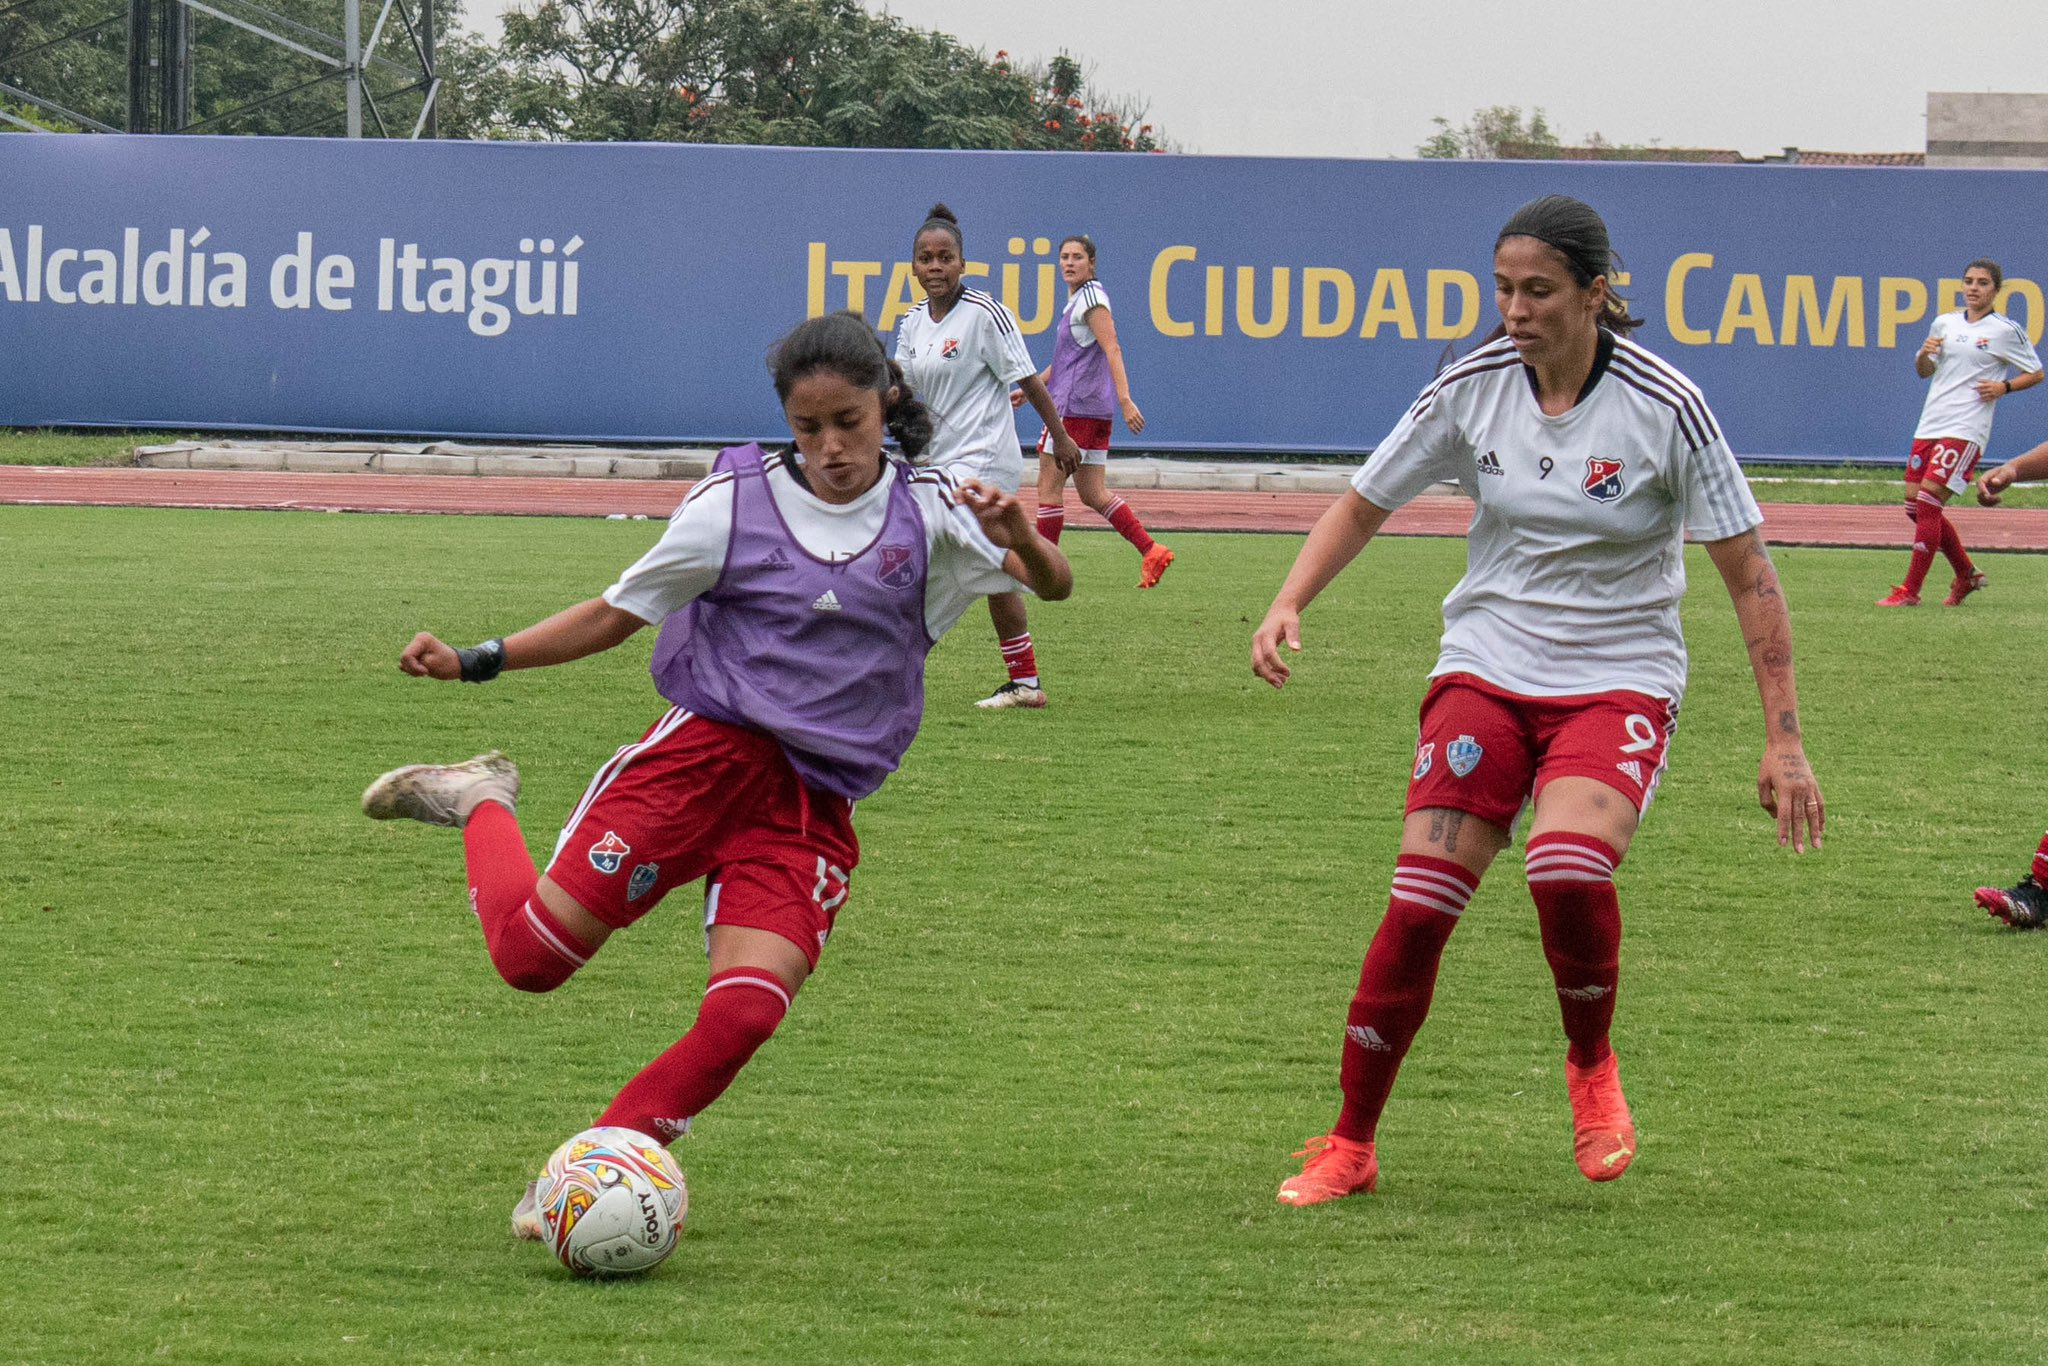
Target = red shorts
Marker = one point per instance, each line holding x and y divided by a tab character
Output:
1945	460
697	798
1484	750
1089	433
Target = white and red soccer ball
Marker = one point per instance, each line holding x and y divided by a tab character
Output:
611	1202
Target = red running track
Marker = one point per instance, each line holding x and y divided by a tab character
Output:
2016	529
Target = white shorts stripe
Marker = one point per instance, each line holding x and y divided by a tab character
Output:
612	767
766	983
544	929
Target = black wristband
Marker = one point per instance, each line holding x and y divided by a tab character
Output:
482	663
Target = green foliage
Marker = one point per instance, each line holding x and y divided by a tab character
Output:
1496	133
805	73
1085	998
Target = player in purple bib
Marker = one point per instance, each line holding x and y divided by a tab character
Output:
798	594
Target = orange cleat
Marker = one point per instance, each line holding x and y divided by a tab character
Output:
1156	561
1336	1167
1964	585
1899	597
1603	1137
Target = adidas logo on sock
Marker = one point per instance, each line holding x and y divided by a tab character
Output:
1585	993
828	601
1365	1036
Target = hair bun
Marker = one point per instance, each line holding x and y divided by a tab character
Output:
944	214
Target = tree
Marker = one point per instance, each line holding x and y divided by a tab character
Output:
1496	133
807	73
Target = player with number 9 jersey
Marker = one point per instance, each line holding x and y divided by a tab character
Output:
1562	664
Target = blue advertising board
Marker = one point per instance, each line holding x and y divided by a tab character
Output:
630	292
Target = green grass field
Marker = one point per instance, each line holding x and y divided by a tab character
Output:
268	1102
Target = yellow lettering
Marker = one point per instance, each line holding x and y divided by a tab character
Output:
1802	300
1900	300
1745	309
1247	302
1389	303
976	269
1674	299
857	274
1314	279
2029	291
904	293
1212	302
1162	267
814	282
1440	282
1948	295
1041	317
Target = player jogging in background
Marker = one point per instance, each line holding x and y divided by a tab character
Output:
1562	664
962	350
798	595
1089	385
2024	905
1974	357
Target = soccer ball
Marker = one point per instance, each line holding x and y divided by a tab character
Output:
611	1202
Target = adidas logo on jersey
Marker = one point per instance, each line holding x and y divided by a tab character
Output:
1365	1036
1634	769
777	560
1489	463
827	601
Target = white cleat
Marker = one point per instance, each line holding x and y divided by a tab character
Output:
1013	694
526	1222
442	794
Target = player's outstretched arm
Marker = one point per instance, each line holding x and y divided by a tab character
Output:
1065	454
1339	534
1785	785
585	629
1032	560
2031	464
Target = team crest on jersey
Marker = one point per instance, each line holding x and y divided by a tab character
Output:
643	880
897	567
1983	343
1463	754
608	853
1603	479
1425	759
949	348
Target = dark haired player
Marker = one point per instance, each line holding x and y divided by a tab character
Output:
1562	663
799	594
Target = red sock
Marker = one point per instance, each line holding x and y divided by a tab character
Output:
2040	869
741	1009
1052	519
1396	983
1127	524
529	948
1571	879
1952	548
1019	659
1927	524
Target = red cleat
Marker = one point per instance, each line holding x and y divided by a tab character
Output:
1604	1135
1336	1167
1964	585
1899	597
1156	560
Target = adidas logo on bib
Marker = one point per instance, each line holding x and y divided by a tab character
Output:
828	601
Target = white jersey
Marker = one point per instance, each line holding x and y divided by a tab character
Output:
1575	564
962	366
1080	304
686	562
1990	348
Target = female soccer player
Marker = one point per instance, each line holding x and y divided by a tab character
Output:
1975	357
1088	384
962	350
2024	905
799	594
1561	666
